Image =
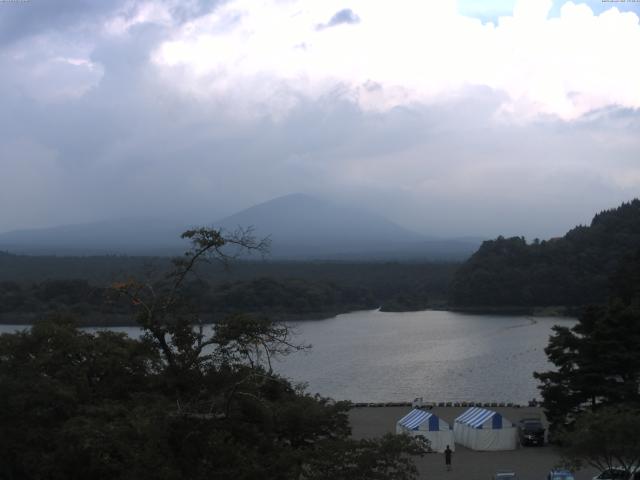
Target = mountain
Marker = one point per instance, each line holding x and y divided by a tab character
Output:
574	270
124	236
303	227
300	227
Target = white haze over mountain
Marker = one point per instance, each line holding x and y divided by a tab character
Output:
519	118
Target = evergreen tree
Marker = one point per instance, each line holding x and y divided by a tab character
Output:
597	361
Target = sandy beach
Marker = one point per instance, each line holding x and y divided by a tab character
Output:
530	463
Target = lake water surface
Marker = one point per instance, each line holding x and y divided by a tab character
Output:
372	356
440	356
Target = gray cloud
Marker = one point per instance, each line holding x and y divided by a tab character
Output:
19	20
131	145
345	16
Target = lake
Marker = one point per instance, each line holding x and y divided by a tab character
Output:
438	355
373	356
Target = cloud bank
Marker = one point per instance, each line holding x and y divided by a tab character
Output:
448	123
412	52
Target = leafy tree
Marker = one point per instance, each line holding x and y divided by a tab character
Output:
184	401
57	380
604	439
376	459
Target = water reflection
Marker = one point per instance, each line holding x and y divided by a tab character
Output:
442	356
375	356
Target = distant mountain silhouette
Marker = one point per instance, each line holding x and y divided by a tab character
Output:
125	236
300	227
306	223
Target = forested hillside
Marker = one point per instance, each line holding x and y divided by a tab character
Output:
33	287
569	271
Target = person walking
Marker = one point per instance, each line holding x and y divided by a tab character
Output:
447	457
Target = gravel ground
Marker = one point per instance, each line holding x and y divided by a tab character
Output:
530	463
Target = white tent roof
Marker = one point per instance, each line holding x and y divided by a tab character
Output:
416	417
476	417
427	425
481	429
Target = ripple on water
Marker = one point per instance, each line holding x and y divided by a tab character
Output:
374	356
383	357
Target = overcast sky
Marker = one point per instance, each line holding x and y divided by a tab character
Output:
515	118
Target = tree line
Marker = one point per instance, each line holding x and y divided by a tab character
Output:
571	271
337	288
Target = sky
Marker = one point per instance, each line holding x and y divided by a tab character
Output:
451	118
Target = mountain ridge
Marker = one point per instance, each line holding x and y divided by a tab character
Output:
300	226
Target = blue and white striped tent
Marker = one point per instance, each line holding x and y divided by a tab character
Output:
428	425
482	429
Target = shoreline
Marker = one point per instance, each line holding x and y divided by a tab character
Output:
94	320
445	404
549	311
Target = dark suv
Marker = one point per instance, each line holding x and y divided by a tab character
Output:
531	431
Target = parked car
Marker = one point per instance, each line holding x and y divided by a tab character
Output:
505	475
531	431
557	474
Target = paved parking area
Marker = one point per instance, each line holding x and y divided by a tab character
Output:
530	463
